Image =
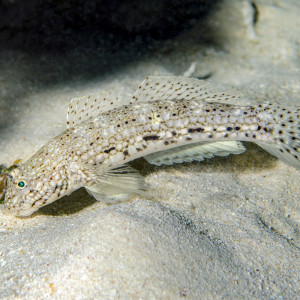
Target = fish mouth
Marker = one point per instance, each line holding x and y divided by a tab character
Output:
22	213
3	186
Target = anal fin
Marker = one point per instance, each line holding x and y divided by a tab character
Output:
197	152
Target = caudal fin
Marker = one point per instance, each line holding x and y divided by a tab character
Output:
286	134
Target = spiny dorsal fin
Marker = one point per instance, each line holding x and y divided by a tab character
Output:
90	106
155	88
198	152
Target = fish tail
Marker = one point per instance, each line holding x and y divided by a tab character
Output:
284	124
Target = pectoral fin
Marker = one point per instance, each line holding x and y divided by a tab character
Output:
121	180
198	152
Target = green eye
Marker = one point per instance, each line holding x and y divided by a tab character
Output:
21	184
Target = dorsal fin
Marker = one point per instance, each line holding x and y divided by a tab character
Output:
155	88
90	106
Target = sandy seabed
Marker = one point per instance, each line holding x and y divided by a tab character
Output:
226	228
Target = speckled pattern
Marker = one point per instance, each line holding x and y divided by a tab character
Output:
165	112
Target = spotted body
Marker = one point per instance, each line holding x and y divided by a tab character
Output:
168	120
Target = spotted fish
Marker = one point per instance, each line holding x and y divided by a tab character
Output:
168	120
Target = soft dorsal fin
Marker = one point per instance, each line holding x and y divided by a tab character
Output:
90	106
155	88
198	152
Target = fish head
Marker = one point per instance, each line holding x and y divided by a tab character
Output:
25	192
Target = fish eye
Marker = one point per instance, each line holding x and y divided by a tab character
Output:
21	184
